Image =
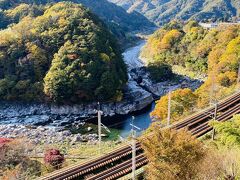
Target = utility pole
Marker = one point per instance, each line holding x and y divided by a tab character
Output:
215	118
213	89
133	146
133	154
133	151
169	108
238	79
99	127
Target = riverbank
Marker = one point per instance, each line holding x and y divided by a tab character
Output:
138	94
36	135
135	98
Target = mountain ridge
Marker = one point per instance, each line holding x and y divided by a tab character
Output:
116	18
163	11
65	55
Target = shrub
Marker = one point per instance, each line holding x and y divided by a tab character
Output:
160	71
54	158
172	154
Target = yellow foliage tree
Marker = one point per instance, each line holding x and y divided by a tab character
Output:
169	38
172	155
39	59
231	58
223	62
227	79
182	101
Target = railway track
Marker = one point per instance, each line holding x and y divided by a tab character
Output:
196	131
76	171
205	128
207	113
119	162
120	170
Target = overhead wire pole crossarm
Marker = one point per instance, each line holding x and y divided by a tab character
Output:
134	148
135	127
105	127
221	117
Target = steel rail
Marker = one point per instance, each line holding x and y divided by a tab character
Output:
221	106
78	170
89	166
206	128
117	171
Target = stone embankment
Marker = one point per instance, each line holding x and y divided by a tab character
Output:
139	93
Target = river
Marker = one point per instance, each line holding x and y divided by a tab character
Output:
141	118
40	114
139	86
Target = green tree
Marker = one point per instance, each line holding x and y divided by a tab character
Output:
160	71
228	132
67	51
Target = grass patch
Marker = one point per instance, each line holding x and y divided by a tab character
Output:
110	136
185	72
79	153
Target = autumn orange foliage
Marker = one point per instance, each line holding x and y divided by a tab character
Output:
182	100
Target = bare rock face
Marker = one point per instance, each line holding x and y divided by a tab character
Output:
139	92
142	76
135	98
40	114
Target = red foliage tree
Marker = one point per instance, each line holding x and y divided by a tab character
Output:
54	158
4	141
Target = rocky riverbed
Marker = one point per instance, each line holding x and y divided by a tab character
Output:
140	92
44	135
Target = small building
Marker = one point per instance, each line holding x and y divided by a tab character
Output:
220	24
208	25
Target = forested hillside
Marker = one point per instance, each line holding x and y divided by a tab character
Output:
117	19
61	53
214	52
188	45
162	11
